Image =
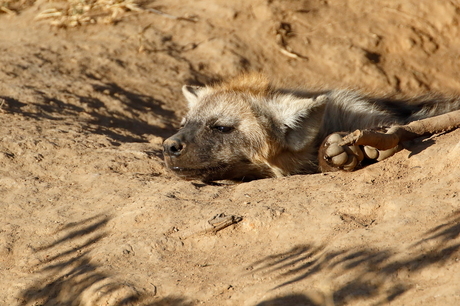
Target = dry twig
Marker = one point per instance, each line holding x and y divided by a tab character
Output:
212	226
2	102
158	12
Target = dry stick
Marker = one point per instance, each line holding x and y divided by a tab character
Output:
151	10
400	133
217	223
6	10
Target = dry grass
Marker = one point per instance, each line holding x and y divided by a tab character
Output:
73	13
13	7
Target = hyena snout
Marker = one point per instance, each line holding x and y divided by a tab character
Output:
173	146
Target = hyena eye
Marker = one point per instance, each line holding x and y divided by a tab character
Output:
223	129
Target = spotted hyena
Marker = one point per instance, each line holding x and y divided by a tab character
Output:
247	129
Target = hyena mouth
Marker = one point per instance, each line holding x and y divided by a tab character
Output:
195	173
240	172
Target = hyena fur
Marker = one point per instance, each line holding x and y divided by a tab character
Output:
247	129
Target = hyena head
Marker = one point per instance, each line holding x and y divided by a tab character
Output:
244	130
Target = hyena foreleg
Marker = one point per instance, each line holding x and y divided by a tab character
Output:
342	151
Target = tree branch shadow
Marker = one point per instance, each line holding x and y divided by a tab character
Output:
108	109
291	300
373	274
67	275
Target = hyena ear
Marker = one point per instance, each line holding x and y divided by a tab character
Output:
301	120
192	94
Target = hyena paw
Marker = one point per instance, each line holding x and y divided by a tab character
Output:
333	157
378	155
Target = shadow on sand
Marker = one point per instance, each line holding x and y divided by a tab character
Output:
66	274
109	109
362	273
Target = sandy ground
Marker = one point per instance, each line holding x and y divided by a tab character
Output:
90	216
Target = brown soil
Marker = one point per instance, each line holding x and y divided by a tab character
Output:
90	216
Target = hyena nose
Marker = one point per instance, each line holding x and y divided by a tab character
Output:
173	146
